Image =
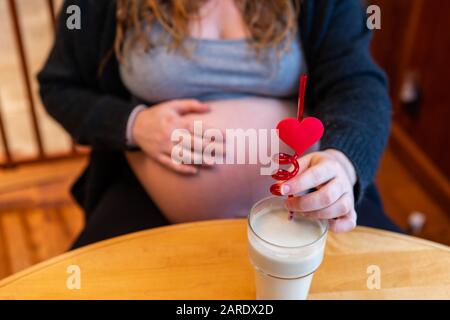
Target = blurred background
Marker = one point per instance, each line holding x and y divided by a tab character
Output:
39	162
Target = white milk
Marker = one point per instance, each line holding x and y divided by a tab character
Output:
284	252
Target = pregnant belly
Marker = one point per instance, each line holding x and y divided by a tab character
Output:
225	190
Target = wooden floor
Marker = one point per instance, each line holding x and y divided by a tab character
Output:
38	219
402	195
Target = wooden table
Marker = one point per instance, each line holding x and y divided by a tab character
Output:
208	260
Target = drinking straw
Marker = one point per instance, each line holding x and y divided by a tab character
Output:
301	97
300	111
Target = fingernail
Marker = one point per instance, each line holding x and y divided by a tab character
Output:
285	189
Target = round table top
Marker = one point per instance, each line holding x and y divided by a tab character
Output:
208	260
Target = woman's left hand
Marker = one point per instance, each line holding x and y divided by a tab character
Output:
333	176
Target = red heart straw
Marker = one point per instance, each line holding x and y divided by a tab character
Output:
283	158
301	97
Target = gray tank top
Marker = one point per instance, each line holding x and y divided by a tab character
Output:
212	69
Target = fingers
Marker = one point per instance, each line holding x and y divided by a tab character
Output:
343	224
333	202
333	198
198	144
340	208
204	131
184	156
327	195
315	175
193	150
213	134
189	106
167	162
305	162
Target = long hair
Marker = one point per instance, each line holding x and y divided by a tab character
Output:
269	23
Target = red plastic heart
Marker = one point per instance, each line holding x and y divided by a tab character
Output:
300	135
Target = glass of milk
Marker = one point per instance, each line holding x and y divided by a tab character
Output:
285	253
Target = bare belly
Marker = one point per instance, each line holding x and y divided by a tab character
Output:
225	190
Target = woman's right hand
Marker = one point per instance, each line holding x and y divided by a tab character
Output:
153	127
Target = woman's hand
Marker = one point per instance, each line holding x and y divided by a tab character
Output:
333	175
153	128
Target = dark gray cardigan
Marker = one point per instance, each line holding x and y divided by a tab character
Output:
346	90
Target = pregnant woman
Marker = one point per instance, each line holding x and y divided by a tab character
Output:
136	70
